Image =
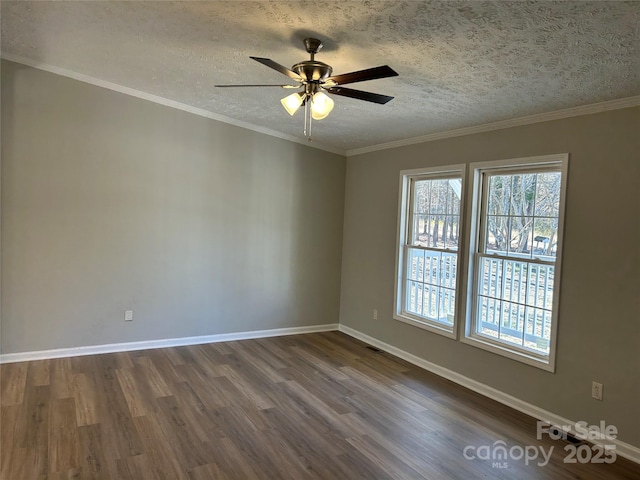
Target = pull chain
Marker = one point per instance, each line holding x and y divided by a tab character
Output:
307	119
306	114
310	120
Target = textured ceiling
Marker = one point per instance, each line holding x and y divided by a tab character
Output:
460	63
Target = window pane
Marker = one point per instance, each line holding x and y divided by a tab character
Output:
431	283
523	194
490	283
414	297
497	233
545	236
447	305
430	305
520	236
436	211
499	195
415	270
540	286
489	316
515	301
432	267
548	194
521	215
537	330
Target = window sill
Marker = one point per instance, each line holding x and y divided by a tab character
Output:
433	327
547	364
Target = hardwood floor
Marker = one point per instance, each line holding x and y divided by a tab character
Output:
317	406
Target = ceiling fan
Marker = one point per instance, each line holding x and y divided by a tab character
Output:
314	79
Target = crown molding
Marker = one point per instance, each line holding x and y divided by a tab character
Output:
512	122
162	101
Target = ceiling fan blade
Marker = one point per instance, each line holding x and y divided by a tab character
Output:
281	86
360	95
279	68
362	75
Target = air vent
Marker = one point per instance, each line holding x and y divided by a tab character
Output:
566	435
572	439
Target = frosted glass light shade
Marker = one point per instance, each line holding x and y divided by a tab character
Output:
291	103
321	106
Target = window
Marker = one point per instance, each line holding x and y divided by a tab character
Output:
514	268
428	255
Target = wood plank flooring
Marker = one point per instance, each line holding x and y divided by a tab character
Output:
317	406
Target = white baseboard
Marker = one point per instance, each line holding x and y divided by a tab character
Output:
623	449
163	343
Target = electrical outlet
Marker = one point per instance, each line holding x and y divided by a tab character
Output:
375	314
596	390
128	315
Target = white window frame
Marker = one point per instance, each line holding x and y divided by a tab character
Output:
474	226
404	216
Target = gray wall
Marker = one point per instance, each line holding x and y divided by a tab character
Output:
110	202
599	319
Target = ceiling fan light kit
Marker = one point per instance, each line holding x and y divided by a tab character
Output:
314	79
321	105
291	103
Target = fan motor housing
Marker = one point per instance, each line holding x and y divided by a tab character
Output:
313	71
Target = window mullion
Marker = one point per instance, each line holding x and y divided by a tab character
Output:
520	306
546	284
502	300
533	215
483	223
424	280
439	290
410	228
